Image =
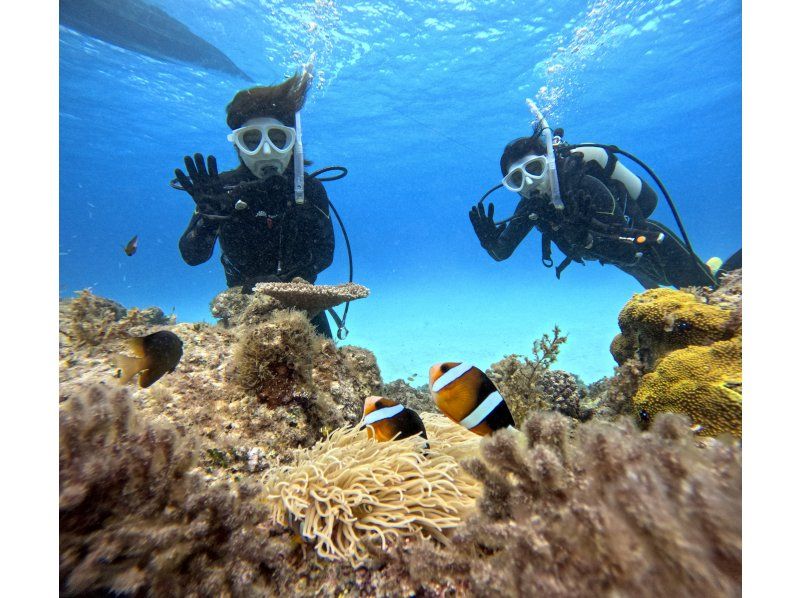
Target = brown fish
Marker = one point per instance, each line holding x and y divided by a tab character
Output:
132	245
386	419
156	354
468	397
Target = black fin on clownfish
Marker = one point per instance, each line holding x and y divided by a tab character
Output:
467	396
386	419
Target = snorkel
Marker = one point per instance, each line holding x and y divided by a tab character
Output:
299	189
555	192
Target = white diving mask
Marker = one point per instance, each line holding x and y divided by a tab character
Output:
528	175
265	145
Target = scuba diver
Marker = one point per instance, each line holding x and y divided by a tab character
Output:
583	199
271	218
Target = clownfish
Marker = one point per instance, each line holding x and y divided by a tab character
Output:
468	397
386	419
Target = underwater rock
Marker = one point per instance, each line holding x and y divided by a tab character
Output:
572	509
345	376
418	399
228	306
89	320
350	493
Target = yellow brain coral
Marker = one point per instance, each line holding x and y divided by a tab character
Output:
661	320
349	490
703	382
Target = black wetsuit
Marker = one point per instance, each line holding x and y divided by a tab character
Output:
272	239
601	221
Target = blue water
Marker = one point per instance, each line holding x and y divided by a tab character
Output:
417	100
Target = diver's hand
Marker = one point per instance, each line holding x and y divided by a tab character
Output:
485	228
204	185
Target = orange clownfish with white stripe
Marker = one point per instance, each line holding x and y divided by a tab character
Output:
386	419
467	396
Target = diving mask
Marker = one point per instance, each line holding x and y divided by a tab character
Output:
527	175
265	145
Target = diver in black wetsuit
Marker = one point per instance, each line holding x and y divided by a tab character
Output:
272	226
599	211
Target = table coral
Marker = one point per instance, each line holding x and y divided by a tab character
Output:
702	382
311	298
349	490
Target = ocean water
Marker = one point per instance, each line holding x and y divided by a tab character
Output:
417	100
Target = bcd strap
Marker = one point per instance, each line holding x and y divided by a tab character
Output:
560	268
342	331
547	250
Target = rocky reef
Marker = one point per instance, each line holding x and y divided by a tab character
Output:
244	473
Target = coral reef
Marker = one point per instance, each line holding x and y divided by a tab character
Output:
563	392
658	321
88	320
313	299
703	382
201	485
134	516
529	385
593	509
418	399
204	396
229	305
680	351
273	359
350	491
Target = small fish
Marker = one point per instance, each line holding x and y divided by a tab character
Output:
386	419
156	354
132	245
468	397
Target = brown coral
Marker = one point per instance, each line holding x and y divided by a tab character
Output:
595	509
273	360
135	518
88	320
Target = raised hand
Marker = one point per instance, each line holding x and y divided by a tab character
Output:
204	185
485	228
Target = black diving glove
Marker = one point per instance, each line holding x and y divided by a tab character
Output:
485	228
205	186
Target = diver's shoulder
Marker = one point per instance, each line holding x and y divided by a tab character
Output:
591	154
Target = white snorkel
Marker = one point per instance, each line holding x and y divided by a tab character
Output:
299	174
555	198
